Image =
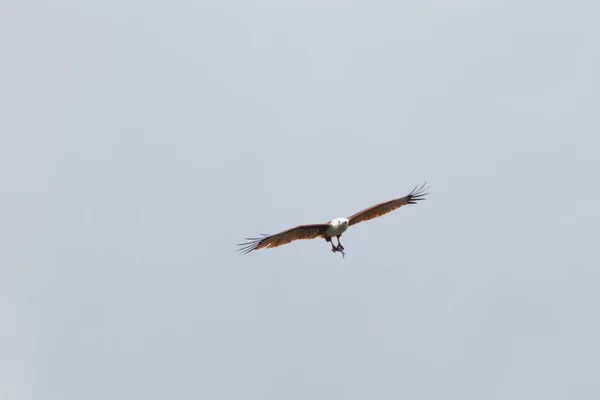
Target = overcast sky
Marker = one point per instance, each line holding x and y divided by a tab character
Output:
142	140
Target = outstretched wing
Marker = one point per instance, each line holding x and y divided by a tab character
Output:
383	208
285	237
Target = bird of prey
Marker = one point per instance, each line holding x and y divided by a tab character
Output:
333	228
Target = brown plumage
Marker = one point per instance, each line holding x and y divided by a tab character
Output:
388	206
285	237
333	228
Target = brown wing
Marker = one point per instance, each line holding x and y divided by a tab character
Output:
383	208
285	237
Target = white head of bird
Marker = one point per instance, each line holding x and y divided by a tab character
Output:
338	226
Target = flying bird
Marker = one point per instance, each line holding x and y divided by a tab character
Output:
334	228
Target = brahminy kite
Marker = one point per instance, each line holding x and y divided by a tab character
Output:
333	228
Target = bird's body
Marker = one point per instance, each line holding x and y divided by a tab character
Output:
334	228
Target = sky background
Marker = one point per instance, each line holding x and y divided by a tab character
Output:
140	141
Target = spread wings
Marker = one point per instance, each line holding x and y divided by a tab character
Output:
383	208
285	237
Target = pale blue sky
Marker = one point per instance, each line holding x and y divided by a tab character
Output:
143	140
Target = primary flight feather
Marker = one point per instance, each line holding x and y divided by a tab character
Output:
333	228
